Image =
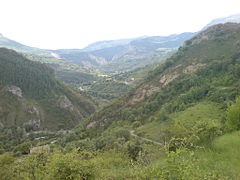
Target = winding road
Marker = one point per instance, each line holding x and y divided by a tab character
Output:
145	139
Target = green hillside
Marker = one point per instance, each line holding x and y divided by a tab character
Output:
31	96
68	72
180	122
203	69
182	105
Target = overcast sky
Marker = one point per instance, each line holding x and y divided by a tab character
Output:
57	24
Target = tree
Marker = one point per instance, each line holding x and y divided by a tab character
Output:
133	149
23	148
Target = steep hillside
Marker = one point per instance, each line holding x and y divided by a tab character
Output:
69	73
31	97
205	69
10	44
182	122
65	71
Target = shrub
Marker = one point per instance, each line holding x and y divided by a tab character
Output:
233	116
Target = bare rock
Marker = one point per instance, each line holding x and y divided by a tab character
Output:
167	78
99	60
40	149
141	93
36	123
14	90
34	110
91	124
65	103
192	68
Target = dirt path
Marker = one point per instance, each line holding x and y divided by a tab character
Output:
145	139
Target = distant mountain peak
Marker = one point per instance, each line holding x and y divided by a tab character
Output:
233	19
1	35
216	32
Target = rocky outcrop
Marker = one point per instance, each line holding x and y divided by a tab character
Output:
141	93
192	68
166	77
34	110
40	149
14	90
34	123
65	103
91	124
99	60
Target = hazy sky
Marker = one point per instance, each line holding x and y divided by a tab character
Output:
76	23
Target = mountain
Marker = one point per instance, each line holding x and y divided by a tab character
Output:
10	44
72	74
181	122
31	96
205	70
108	44
108	56
233	18
48	57
155	42
146	51
125	55
117	56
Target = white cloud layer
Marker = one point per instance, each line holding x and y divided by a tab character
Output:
76	23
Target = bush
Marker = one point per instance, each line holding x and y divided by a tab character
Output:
6	160
70	166
233	116
23	148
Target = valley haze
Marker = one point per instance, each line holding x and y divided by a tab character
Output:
73	24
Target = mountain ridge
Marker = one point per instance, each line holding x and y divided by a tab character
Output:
232	18
135	52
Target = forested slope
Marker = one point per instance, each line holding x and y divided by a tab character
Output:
206	68
182	122
31	96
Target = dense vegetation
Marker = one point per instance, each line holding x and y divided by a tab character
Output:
181	122
16	70
40	97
